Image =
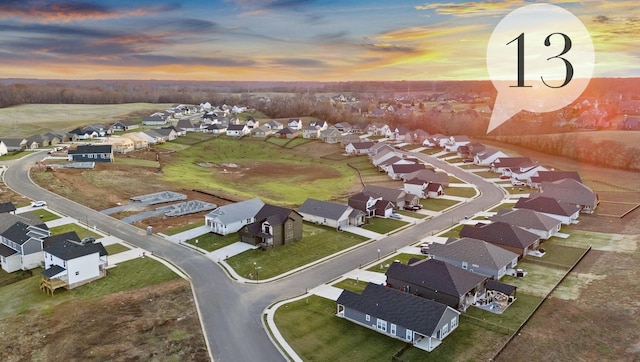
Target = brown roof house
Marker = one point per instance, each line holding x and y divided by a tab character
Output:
273	226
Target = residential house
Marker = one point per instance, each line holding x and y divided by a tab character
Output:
506	236
523	174
434	190
274	125
471	149
371	206
572	192
68	259
534	222
261	132
311	132
91	153
331	136
273	226
98	129
125	125
429	175
399	171
379	156
168	133
488	157
287	132
475	255
417	136
21	246
421	322
504	165
397	197
152	137
565	212
51	139
423	189
359	128
121	144
215	128
330	214
438	281
456	141
377	129
230	218
187	125
3	148
237	130
295	124
252	123
156	119
358	148
82	134
322	125
139	142
7	208
536	180
36	141
378	148
349	138
15	144
343	127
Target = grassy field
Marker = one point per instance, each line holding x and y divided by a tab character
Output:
28	119
81	231
248	168
211	241
116	248
45	215
317	242
25	295
183	228
14	155
437	204
461	191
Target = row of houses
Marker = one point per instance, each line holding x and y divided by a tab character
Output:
26	243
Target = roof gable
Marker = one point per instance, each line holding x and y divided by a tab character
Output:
500	233
325	209
473	251
68	246
237	211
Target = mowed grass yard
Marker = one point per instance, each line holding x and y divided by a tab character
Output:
317	242
29	119
81	231
248	168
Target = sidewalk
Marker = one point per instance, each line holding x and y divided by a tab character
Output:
61	221
363	232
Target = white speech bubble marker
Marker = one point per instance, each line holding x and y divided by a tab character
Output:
540	58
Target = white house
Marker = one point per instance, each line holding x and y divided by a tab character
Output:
455	142
524	173
295	124
3	148
230	218
70	260
238	130
488	156
416	187
358	148
21	246
330	213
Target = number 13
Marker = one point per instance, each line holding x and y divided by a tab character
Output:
547	42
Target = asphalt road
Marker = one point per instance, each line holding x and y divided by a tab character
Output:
231	312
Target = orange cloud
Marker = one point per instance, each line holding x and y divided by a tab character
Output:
64	12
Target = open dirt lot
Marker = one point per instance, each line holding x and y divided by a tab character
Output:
157	323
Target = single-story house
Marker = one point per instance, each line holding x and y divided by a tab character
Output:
504	165
69	260
237	130
554	175
572	192
475	255
155	119
274	125
563	211
429	175
125	125
14	144
378	156
358	148
535	222
311	132
506	236
287	132
187	125
167	133
399	171
438	281
331	135
320	124
91	153
139	142
216	128
261	132
422	322
230	218
331	213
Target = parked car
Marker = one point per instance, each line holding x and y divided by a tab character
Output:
424	248
395	216
505	177
88	240
38	203
515	182
413	207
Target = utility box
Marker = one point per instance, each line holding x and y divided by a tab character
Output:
149	230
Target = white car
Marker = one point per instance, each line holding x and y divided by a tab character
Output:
38	203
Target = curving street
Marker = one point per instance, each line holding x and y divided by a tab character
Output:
231	313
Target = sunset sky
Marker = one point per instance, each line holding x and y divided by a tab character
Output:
288	40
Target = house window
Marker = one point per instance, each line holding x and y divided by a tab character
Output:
367	318
382	325
464	265
445	330
393	329
454	323
408	335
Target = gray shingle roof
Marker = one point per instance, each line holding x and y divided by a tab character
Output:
548	205
386	193
473	251
555	176
325	209
436	275
7	207
84	149
403	309
67	246
500	233
527	219
20	232
569	190
237	211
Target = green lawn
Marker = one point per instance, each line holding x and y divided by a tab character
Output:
353	285
45	215
455	180
116	248
513	317
447	155
487	174
455	160
182	228
461	191
293	143
437	204
316	334
539	280
14	155
453	233
211	241
412	214
516	190
10	278
506	206
559	254
382	225
25	295
317	242
382	266
81	231
431	151
278	175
